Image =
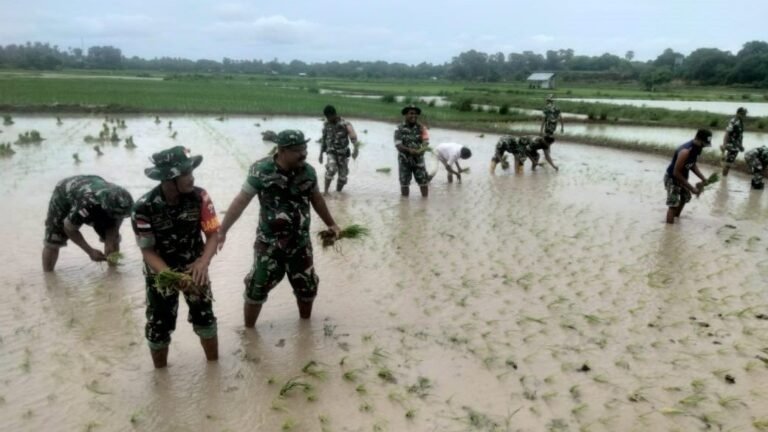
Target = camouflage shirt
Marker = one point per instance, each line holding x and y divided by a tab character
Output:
335	139
534	143
509	144
174	231
551	117
735	131
411	136
759	153
76	199
284	197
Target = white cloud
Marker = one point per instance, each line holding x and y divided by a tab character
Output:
542	38
275	29
110	26
234	12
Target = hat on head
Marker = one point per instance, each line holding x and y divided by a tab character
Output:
116	201
405	110
290	138
550	98
172	163
741	110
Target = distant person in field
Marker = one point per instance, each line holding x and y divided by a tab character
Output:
732	140
411	141
449	154
337	134
84	200
523	148
535	143
757	161
679	190
286	186
169	222
551	118
512	145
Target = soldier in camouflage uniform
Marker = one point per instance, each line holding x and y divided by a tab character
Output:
512	145
169	223
286	186
523	148
551	118
535	143
88	200
732	140
337	133
411	141
757	161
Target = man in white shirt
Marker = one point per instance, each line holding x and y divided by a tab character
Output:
449	154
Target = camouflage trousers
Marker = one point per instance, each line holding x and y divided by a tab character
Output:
161	315
337	163
756	168
55	237
676	194
533	155
412	168
271	263
730	152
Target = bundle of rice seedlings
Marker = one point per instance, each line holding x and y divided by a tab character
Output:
425	149
464	170
354	231
114	258
385	170
168	282
269	136
714	178
356	148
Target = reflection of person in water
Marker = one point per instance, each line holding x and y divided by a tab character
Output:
676	178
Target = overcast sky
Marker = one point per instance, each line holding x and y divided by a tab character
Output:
394	30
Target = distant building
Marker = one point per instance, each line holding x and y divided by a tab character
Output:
302	74
544	80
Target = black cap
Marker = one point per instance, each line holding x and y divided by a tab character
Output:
329	110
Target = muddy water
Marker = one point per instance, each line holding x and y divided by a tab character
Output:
719	107
547	300
671	137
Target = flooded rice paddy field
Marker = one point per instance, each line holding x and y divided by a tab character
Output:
664	136
759	109
542	301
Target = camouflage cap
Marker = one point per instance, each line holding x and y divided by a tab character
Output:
172	163
116	201
290	138
550	98
409	107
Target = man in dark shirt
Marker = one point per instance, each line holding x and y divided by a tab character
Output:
676	177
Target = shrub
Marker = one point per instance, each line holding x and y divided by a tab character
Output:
714	122
464	105
504	109
388	98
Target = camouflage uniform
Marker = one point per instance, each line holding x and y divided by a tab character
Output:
733	145
757	161
511	145
532	146
414	137
282	238
88	200
335	143
551	118
175	233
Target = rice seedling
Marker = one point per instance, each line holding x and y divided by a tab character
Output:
6	150
385	170
410	414
355	231
692	400
293	384
313	369
761	424
671	411
366	407
7	120
288	425
578	410
114	258
361	389
730	402
169	282
421	388
350	375
29	137
386	375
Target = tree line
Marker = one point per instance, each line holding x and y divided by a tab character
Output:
706	66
